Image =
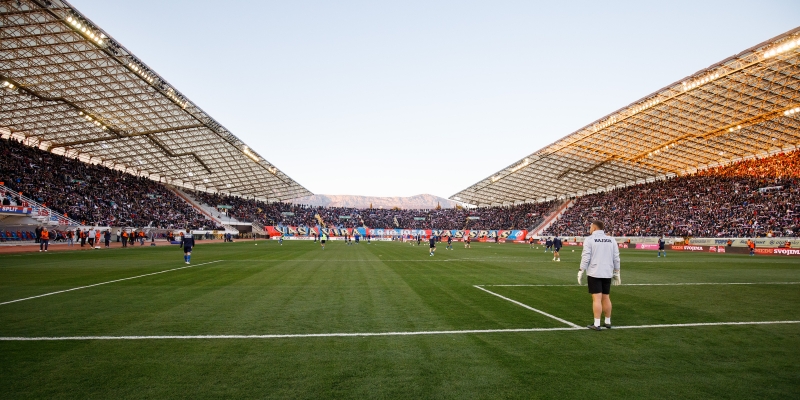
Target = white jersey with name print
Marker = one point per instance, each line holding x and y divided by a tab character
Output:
600	255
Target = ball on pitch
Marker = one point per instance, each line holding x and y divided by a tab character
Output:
573	250
256	244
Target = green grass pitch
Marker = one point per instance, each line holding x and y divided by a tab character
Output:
386	287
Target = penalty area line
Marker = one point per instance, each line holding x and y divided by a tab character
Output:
374	334
106	283
529	307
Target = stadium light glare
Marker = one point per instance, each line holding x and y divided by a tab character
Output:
782	48
88	32
689	85
250	154
792	111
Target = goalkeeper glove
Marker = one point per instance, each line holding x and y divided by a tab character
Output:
616	280
580	275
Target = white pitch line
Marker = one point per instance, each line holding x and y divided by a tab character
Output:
106	283
529	307
372	334
705	324
286	336
659	284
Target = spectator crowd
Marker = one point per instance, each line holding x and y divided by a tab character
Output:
523	216
93	194
751	198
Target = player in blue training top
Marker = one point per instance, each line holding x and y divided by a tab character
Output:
661	247
187	242
556	249
432	241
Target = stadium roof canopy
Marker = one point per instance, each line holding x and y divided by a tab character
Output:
68	86
747	105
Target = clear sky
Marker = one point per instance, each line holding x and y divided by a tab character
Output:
407	97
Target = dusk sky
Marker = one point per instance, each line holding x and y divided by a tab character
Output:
403	98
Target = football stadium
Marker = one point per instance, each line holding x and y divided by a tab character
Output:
146	251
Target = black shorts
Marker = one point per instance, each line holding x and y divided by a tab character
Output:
187	249
599	285
433	246
558	249
322	241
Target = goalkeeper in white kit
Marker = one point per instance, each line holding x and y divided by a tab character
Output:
600	262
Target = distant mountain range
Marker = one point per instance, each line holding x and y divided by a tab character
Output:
420	201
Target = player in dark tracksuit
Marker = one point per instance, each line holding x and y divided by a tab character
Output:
432	241
450	242
187	242
548	244
661	248
556	249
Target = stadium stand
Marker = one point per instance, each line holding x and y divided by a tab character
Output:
93	194
521	216
751	198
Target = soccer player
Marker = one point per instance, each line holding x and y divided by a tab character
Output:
449	243
556	248
44	239
188	243
280	239
661	248
531	241
467	241
752	245
358	237
600	262
432	241
323	237
419	240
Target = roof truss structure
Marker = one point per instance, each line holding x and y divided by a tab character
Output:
68	87
747	105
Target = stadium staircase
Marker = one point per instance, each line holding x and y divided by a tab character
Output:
206	210
40	213
552	218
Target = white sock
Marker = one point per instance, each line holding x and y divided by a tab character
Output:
608	320
597	322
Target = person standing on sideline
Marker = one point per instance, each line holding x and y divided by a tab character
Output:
97	234
600	262
70	235
124	238
661	247
188	243
90	237
44	239
107	237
